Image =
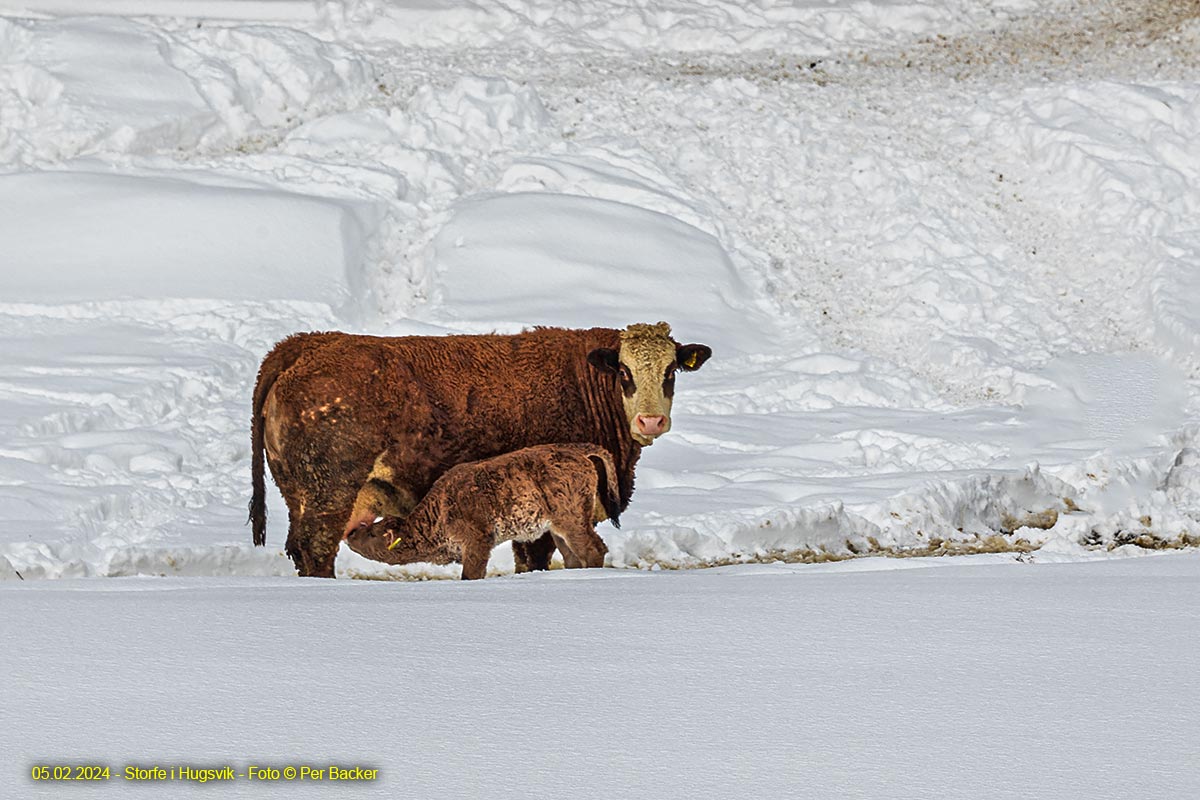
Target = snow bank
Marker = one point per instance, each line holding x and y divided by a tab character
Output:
81	86
415	161
944	309
253	10
164	236
7	571
814	27
77	85
547	254
1127	156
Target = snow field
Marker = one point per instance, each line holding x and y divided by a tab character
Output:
977	679
938	304
163	237
812	26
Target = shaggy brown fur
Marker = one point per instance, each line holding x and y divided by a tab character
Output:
326	406
560	489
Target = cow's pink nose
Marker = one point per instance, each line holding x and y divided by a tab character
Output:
650	426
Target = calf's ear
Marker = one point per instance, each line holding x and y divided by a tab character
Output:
604	359
691	357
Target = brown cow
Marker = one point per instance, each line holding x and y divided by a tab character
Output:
560	489
326	406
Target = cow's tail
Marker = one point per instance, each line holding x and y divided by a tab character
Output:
282	356
606	485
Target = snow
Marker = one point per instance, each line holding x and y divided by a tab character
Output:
624	260
165	237
979	679
923	288
680	25
945	255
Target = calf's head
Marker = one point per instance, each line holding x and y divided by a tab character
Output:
645	366
380	541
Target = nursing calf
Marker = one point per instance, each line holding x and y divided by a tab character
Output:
560	489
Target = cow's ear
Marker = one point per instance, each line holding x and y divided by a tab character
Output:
604	359
691	357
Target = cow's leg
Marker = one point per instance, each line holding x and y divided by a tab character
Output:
520	557
318	513
315	545
535	555
319	455
314	534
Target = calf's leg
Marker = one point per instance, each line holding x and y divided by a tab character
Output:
475	556
570	560
583	541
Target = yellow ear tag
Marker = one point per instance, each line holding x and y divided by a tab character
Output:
690	361
395	542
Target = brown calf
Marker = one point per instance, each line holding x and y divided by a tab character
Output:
560	489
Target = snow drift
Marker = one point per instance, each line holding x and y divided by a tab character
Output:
942	306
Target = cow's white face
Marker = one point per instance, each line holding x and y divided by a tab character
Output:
645	365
